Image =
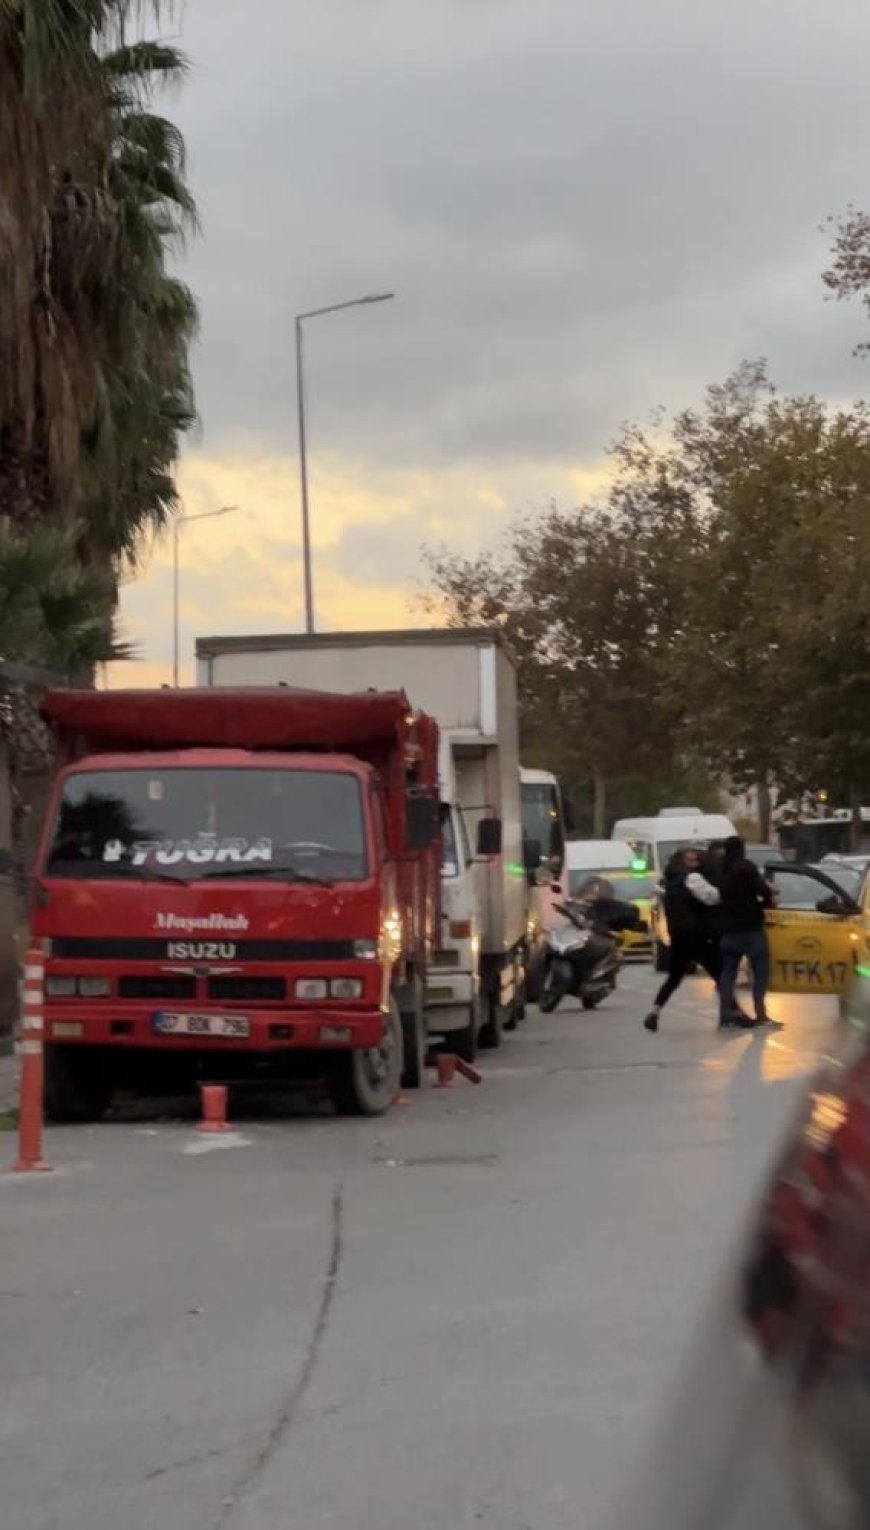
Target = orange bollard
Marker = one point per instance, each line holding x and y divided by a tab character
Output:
446	1064
468	1072
30	1088
214	1108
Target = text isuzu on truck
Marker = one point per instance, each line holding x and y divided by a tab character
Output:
237	883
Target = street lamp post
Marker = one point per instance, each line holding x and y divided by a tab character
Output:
185	520
315	313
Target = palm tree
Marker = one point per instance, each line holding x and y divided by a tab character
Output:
52	610
149	317
94	385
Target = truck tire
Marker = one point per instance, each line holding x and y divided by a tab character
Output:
413	1034
464	1043
534	982
77	1088
517	1010
365	1083
492	1030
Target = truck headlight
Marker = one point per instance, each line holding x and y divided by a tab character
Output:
94	987
60	987
346	988
311	988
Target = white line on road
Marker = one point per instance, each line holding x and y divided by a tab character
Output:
209	1141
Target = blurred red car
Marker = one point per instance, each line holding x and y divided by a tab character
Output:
771	1428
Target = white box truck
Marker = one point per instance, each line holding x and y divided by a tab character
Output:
466	680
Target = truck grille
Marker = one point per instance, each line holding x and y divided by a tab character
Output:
445	959
151	986
248	990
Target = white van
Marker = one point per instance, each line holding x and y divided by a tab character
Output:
656	839
597	855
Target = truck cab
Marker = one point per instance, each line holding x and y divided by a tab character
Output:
221	911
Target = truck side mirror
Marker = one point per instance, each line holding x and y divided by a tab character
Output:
568	814
422	820
489	837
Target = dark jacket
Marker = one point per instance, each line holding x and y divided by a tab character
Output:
711	870
745	896
615	914
686	917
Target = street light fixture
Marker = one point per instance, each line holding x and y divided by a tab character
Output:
315	313
185	520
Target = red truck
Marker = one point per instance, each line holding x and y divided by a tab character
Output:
236	884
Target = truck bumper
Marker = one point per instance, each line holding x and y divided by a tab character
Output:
448	1000
119	1025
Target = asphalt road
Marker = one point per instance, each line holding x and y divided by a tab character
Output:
462	1315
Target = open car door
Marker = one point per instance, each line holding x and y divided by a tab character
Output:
813	933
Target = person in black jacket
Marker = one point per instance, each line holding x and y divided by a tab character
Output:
745	895
689	896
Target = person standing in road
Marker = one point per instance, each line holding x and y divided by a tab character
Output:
688	897
745	895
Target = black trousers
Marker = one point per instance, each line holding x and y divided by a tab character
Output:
686	952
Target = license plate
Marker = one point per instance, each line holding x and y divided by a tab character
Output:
202	1025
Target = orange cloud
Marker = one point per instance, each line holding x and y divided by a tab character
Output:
243	572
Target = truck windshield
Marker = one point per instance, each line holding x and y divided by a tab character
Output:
542	821
189	822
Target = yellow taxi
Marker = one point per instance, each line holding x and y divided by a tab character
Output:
632	886
819	933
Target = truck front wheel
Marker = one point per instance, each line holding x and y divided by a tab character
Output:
77	1086
492	1029
464	1043
365	1083
413	1034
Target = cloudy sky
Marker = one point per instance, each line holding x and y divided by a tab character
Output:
585	208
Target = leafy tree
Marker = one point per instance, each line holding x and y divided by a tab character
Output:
51	608
94	384
848	276
579	600
775	593
709	621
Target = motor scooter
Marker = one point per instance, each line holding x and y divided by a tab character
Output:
583	956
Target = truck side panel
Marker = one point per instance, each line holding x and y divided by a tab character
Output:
515	885
443	682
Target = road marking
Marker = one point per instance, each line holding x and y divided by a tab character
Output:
211	1141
